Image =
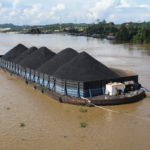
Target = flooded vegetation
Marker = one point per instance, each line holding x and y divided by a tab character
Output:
32	120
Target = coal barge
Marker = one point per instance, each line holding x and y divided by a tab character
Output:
72	77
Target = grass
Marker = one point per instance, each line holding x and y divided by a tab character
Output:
22	124
8	108
22	139
82	109
10	78
83	124
90	105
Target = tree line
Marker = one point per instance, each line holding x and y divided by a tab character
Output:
127	32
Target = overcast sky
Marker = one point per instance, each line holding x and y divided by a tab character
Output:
31	12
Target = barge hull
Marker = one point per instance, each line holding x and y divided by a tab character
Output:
80	101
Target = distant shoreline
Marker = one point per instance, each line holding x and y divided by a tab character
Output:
131	32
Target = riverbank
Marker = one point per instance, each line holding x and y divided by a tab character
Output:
130	32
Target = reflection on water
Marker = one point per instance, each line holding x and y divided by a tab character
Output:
51	125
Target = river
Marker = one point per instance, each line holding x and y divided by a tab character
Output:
51	125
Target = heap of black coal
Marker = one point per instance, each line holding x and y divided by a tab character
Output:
84	67
37	58
59	60
15	52
24	55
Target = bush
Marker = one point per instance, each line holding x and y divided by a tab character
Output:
22	124
83	124
82	109
8	108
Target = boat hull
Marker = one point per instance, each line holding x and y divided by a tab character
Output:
91	101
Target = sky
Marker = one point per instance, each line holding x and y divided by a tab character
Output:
41	12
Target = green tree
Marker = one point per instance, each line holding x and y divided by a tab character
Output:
123	34
142	36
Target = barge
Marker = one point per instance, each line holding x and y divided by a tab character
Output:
80	80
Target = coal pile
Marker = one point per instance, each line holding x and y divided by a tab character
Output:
56	62
84	68
123	73
37	58
14	52
25	54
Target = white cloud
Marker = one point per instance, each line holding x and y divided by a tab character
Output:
100	7
138	16
34	15
15	3
124	4
55	12
33	11
49	11
58	7
144	6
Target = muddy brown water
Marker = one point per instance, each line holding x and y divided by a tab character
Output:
49	124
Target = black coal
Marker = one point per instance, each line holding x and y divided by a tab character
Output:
56	62
25	54
37	58
84	68
14	52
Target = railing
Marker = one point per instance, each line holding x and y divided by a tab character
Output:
42	79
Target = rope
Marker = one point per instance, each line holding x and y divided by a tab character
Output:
125	113
106	109
146	90
118	112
